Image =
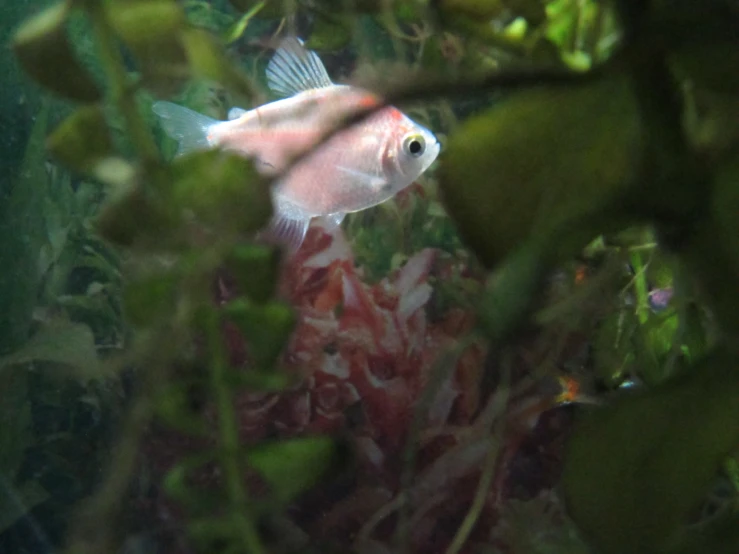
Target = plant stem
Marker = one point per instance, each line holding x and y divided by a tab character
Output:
640	286
229	438
120	90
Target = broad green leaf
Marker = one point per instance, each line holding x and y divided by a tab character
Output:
60	342
293	466
173	405
635	469
18	500
477	9
328	36
712	250
540	163
208	59
146	22
150	298
21	238
222	189
256	271
82	139
266	328
151	29
42	46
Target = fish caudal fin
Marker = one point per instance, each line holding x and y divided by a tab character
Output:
294	69
186	126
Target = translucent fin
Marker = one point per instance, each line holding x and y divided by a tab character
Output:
186	126
287	231
368	179
333	220
235	113
294	69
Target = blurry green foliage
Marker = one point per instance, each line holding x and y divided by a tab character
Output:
529	184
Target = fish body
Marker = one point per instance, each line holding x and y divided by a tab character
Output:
356	168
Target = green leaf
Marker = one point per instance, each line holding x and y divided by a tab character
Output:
146	22
540	163
634	469
329	35
221	189
256	271
266	328
60	342
17	502
42	46
174	407
712	250
208	59
21	238
82	139
16	433
613	352
150	298
237	29
295	465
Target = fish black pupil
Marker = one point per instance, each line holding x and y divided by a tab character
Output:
414	147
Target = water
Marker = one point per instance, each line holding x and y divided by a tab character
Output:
407	382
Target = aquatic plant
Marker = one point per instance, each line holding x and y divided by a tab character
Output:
598	192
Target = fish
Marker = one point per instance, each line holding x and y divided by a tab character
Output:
358	167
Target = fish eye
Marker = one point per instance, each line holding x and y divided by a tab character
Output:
414	145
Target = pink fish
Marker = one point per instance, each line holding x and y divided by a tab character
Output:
358	167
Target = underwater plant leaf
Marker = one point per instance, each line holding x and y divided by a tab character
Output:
634	469
60	342
17	501
255	269
82	139
151	30
538	163
712	250
208	60
613	352
710	66
16	433
237	29
42	46
476	9
148	298
173	406
21	232
266	327
142	22
329	36
293	466
221	188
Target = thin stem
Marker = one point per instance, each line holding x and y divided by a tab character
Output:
640	286
120	89
229	438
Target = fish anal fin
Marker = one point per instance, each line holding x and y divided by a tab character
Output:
293	69
286	231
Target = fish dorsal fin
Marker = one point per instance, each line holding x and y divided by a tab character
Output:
294	69
235	113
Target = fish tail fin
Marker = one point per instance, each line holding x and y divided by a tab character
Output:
186	126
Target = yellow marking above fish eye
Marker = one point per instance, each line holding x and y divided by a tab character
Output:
414	145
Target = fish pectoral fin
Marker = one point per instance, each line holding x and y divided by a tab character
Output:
333	220
371	180
293	69
235	113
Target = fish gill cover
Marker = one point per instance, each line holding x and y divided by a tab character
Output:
528	349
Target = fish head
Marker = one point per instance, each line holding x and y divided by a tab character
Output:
412	149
